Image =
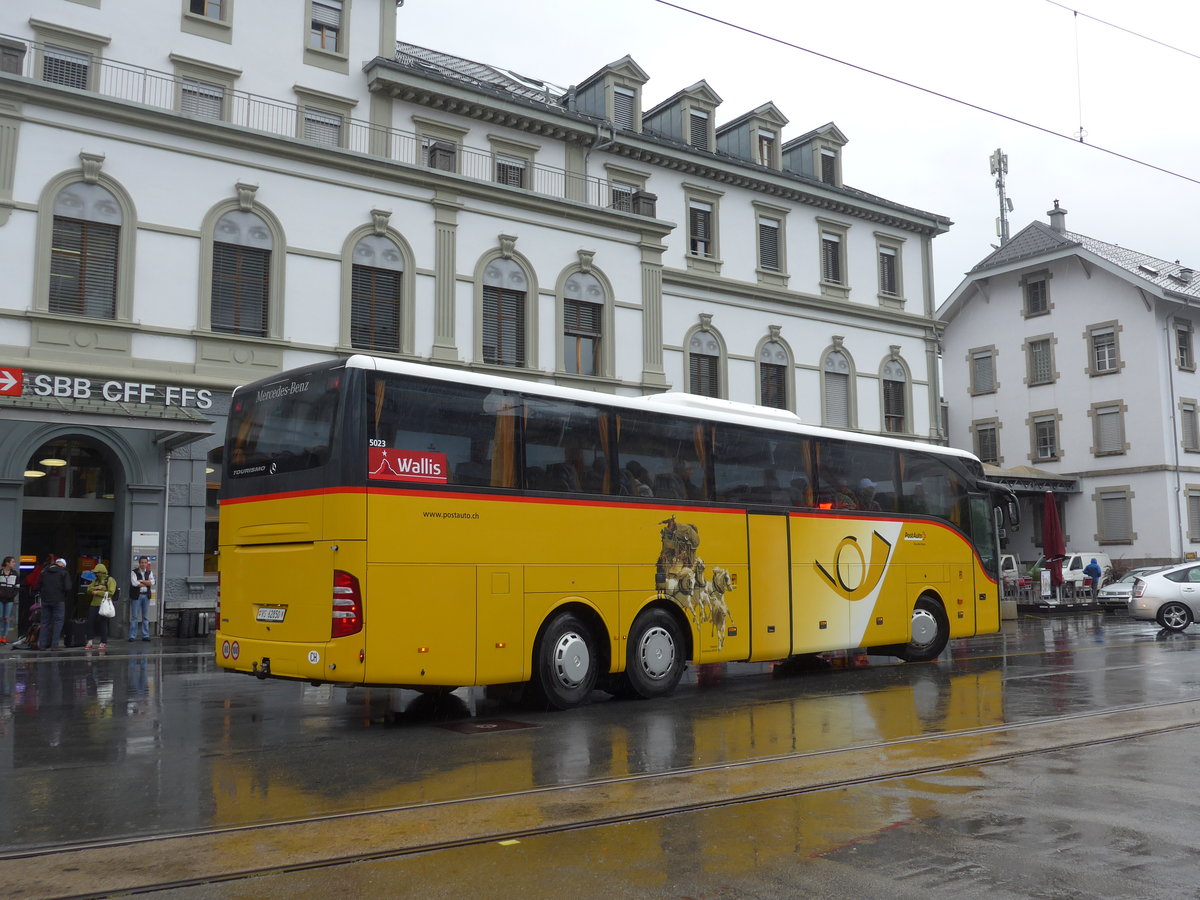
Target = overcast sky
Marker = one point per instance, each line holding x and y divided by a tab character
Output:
1032	60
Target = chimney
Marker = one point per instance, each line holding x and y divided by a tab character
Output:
1058	218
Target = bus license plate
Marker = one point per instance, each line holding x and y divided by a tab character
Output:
270	614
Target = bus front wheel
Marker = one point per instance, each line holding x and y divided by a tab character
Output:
930	631
654	656
565	668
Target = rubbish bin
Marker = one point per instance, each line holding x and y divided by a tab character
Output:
187	622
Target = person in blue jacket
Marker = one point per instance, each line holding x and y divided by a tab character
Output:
1093	571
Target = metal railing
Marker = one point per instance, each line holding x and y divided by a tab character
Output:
170	92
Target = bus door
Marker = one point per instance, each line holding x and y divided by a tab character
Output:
820	609
770	586
986	587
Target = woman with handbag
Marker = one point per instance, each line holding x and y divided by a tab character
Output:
102	591
9	589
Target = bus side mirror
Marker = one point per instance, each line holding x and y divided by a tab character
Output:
1014	513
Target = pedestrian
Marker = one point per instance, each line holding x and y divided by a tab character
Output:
103	585
57	588
9	591
1093	571
139	600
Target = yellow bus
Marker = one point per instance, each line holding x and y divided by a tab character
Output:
393	523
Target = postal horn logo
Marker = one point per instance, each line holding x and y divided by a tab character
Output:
855	575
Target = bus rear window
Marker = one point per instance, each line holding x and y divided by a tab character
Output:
285	426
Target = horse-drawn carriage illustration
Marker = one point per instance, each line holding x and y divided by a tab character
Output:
682	576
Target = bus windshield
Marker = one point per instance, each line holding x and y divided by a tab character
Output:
283	426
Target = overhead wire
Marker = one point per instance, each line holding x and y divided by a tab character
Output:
930	91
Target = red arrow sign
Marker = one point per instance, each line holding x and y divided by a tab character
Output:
12	381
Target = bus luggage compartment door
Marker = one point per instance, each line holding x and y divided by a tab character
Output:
770	587
420	624
257	603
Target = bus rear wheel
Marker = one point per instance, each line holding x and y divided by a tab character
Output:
654	656
930	631
565	667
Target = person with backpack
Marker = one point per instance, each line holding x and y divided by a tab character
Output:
102	586
9	591
57	589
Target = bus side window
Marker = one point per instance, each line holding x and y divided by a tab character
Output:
673	453
566	447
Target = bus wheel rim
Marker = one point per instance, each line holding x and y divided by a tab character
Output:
657	652
572	660
924	627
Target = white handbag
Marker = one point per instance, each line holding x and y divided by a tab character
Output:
107	609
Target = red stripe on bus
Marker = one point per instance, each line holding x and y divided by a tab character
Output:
289	495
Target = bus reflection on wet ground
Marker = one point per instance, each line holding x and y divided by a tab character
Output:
145	741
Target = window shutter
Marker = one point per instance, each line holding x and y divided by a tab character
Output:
831	258
829	167
375	309
503	326
1191	436
322	128
893	406
1193	508
1115	517
772	385
623	108
327	12
698	129
622	196
700	226
985	445
983	373
837	399
703	370
83	268
510	170
65	68
887	271
1108	430
768	244
201	99
240	289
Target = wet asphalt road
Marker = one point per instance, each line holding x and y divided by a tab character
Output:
1053	760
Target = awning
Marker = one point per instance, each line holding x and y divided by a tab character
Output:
1027	480
172	426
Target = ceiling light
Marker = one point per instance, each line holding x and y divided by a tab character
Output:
34	473
52	461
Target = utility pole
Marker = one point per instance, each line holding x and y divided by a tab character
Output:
999	162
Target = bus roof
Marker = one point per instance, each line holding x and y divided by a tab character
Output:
693	406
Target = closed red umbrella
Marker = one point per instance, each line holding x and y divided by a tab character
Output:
1053	547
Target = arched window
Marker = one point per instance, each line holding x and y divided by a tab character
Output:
895	396
241	274
836	373
375	294
505	289
583	317
84	250
773	375
704	364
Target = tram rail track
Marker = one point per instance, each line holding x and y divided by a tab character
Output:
230	854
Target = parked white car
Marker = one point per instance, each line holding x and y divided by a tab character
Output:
1170	597
1074	565
1117	593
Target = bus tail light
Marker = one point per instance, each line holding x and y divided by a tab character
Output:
347	605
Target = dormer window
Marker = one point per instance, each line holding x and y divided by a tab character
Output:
829	166
698	129
624	108
765	148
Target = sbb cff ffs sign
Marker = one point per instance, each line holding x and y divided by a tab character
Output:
77	388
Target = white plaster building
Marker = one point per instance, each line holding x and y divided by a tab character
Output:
196	193
1070	365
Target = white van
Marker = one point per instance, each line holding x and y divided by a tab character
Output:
1074	564
1010	570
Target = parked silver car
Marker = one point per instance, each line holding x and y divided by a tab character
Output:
1118	592
1170	597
